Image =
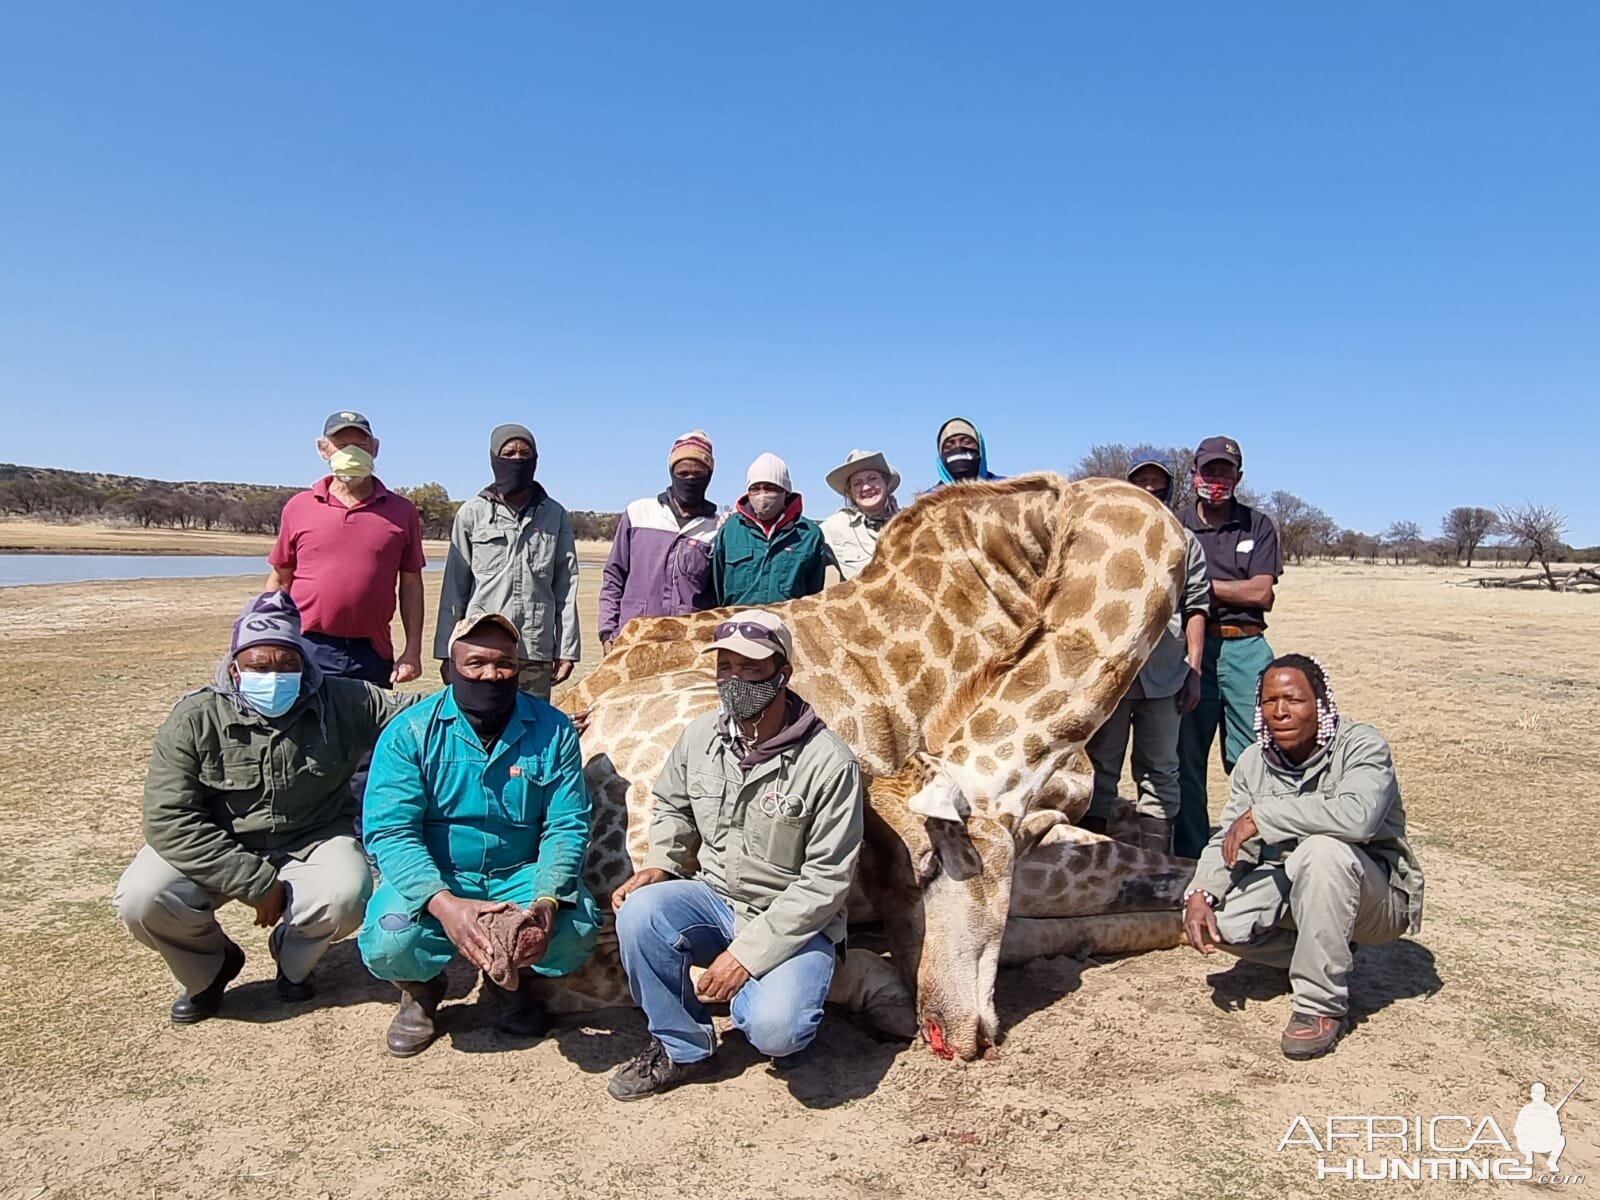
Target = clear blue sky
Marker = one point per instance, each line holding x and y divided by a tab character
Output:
1362	240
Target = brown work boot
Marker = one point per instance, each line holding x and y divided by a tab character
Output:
519	1013
412	1031
1311	1036
1155	833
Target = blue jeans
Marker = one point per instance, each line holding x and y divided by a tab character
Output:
665	927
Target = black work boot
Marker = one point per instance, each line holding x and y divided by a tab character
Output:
519	1013
653	1072
1311	1036
1155	833
289	992
412	1031
188	1010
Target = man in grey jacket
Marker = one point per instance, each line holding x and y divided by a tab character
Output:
1312	857
512	552
1165	689
768	803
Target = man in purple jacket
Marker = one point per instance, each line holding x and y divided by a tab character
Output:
660	563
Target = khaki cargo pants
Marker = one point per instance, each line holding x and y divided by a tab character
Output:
328	888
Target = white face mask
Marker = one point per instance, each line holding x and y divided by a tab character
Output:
767	505
350	462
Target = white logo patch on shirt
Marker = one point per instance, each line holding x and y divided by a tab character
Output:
1245	546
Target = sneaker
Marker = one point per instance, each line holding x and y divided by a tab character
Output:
653	1072
1311	1036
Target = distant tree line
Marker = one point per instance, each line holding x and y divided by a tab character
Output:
1525	533
46	494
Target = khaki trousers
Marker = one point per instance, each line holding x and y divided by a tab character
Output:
1154	725
1304	912
176	917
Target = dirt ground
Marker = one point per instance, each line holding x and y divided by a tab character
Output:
1157	1075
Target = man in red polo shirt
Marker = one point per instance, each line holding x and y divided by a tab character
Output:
345	549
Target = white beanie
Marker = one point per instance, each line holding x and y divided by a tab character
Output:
768	468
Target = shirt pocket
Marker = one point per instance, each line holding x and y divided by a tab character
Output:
234	780
528	793
775	827
491	549
706	792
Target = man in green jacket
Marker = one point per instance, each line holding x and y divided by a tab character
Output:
512	552
1312	857
768	803
768	552
248	798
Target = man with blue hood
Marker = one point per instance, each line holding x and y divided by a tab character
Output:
1167	687
962	454
248	798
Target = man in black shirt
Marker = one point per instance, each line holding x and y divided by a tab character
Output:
1243	562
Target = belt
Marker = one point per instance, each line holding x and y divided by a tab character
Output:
1216	629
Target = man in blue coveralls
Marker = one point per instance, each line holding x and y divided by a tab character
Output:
476	802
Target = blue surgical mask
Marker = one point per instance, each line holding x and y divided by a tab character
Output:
270	693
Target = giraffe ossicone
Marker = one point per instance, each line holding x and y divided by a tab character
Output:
967	665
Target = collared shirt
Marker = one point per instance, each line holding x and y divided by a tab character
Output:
347	561
1241	547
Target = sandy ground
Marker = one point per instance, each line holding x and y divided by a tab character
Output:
46	537
1157	1075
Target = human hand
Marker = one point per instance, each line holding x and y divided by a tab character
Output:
1240	832
606	643
459	917
721	981
269	909
1189	693
1200	924
561	672
636	881
406	668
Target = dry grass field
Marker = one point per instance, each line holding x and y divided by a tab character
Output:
1157	1075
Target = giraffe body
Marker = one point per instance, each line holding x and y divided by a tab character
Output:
966	666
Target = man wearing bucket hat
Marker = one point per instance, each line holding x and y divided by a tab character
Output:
512	552
868	484
660	562
248	798
754	836
1243	563
767	552
476	804
1166	687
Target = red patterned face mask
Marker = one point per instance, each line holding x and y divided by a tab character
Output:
1213	491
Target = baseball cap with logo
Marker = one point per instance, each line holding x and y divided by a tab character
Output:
346	419
1218	448
479	619
754	633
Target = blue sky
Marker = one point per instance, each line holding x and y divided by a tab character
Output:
1360	239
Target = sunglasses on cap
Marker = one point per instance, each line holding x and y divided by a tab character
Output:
749	629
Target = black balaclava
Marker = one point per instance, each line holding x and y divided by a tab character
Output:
486	703
512	475
689	491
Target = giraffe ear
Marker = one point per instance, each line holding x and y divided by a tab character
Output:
940	799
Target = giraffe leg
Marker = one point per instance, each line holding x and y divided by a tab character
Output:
868	984
1075	873
1028	938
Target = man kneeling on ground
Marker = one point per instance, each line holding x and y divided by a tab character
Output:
476	805
769	802
1312	857
248	798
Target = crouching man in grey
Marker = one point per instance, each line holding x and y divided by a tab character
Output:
248	798
770	803
1312	857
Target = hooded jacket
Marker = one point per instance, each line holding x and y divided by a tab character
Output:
755	564
775	833
938	458
660	564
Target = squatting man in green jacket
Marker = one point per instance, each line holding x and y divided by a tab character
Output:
1312	857
769	803
248	798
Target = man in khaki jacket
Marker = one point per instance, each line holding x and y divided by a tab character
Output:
769	803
